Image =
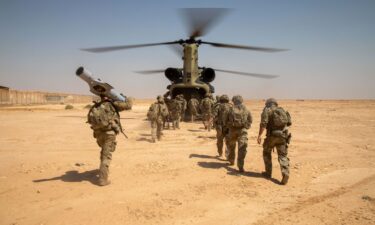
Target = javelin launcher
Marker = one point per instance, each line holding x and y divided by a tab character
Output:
98	87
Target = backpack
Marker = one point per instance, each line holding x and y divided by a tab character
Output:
206	105
238	117
224	110
153	113
281	118
101	116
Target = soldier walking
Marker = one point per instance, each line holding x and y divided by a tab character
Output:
167	120
175	112
183	102
206	109
193	105
157	113
104	119
239	121
220	115
276	121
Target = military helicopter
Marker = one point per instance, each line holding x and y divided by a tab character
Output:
193	80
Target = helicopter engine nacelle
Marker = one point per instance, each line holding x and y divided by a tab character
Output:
208	75
173	74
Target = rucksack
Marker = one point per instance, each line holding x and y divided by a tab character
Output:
238	117
206	104
152	113
281	118
101	116
224	110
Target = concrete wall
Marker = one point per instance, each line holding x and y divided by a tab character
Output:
14	97
4	94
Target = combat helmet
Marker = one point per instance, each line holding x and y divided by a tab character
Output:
270	102
224	99
237	99
160	99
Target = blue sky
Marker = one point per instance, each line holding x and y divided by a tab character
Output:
332	46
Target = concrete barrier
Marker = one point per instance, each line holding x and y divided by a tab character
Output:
15	97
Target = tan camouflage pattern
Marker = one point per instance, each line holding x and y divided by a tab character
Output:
157	123
220	114
193	106
175	112
207	112
238	136
271	142
107	140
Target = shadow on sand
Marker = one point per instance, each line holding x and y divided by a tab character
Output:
234	172
144	139
85	117
194	130
230	170
209	137
206	157
213	165
75	176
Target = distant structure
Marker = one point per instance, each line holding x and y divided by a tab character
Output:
15	97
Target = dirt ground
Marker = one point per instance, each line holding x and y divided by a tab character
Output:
49	161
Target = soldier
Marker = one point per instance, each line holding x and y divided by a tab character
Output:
215	109
206	109
193	108
167	120
175	112
276	120
220	115
217	99
104	119
239	121
157	113
183	107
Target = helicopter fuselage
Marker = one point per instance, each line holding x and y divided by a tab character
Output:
191	84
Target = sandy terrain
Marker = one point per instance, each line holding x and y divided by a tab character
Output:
49	160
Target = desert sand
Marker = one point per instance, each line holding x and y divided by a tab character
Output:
49	161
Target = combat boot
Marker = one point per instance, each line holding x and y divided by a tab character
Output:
104	182
285	179
103	176
241	170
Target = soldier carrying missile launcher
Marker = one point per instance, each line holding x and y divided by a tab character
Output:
104	119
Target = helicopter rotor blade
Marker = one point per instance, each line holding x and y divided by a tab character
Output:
146	72
264	76
178	50
121	47
254	48
200	20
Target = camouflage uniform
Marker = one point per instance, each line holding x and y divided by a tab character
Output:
183	106
193	108
206	109
175	112
276	137
238	131
220	114
215	108
167	119
157	113
106	136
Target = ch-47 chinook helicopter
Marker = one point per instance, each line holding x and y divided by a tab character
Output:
193	80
